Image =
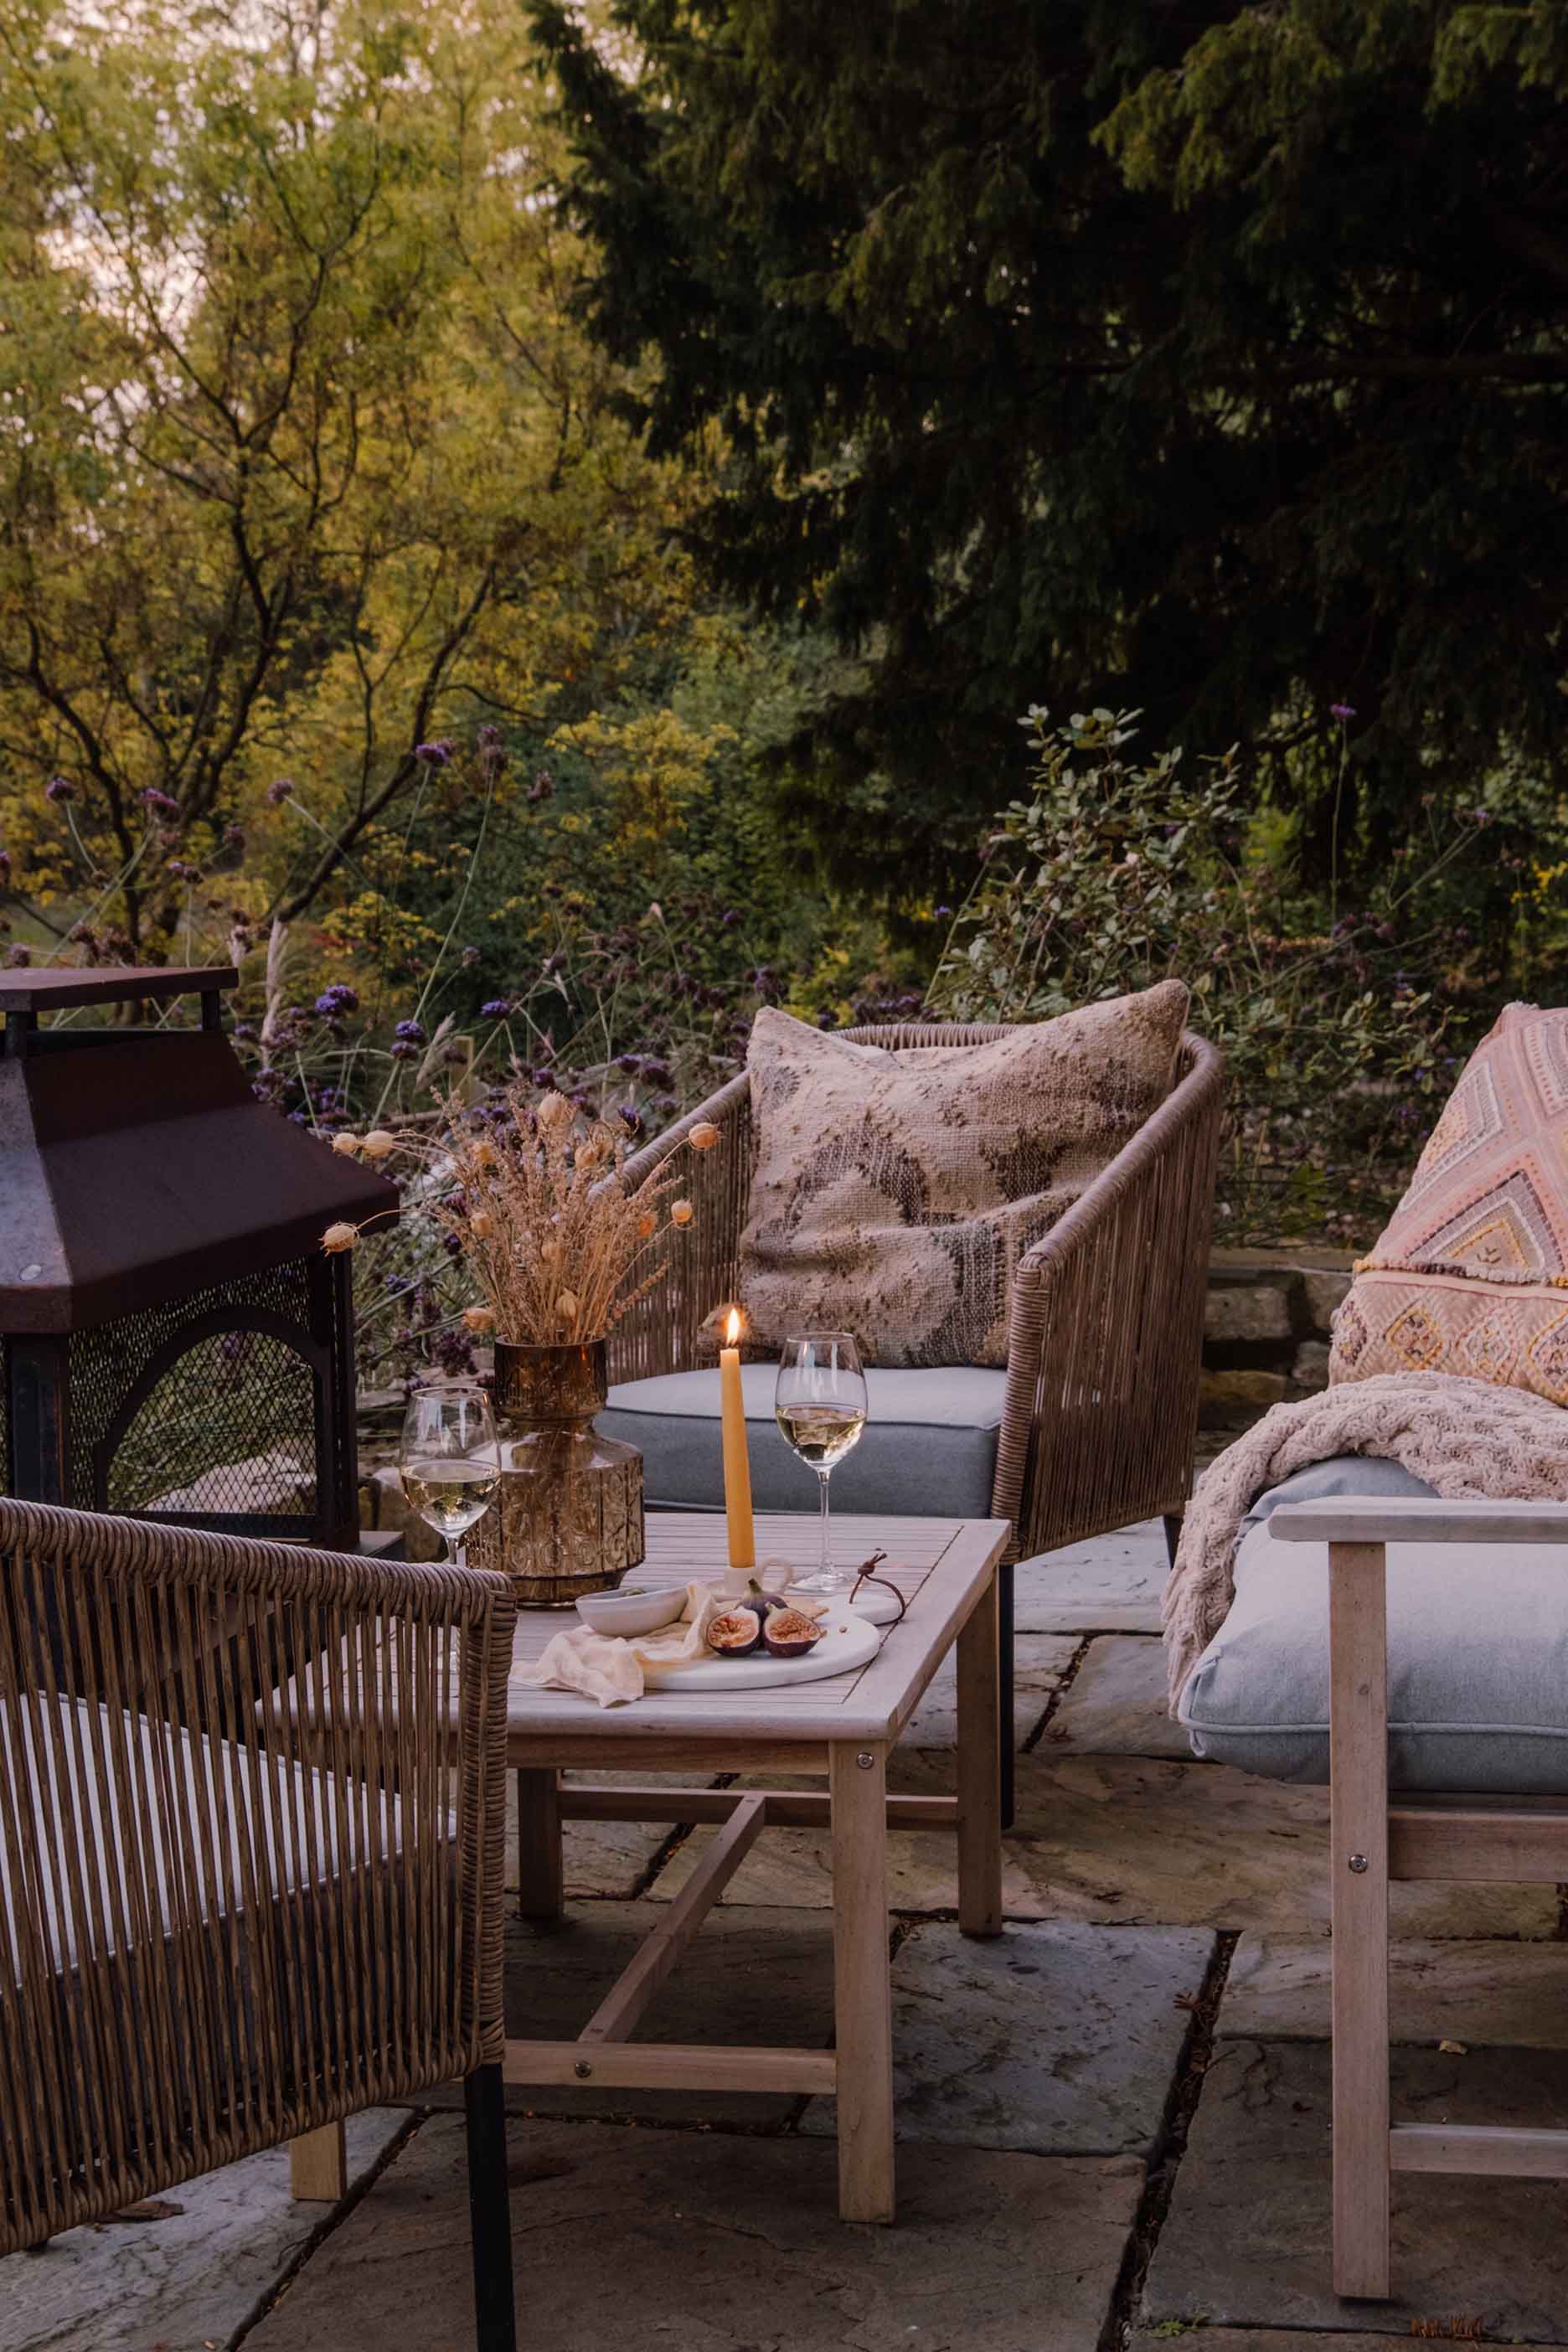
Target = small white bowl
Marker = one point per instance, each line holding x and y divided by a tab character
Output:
633	1609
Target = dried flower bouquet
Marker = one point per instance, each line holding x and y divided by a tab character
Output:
530	1191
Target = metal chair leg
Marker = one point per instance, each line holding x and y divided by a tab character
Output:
489	2210
1173	1533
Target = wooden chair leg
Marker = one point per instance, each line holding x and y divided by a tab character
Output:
1358	1852
318	2165
489	2210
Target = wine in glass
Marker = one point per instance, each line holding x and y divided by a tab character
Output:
819	1403
447	1462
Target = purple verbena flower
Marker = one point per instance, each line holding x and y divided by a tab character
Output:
234	837
630	1063
434	755
543	784
59	788
403	1049
411	1033
1341	711
283	790
942	912
496	1008
630	1117
162	801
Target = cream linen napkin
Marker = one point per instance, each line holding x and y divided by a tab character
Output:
615	1670
609	1668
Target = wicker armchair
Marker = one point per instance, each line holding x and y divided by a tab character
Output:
1105	1325
251	1863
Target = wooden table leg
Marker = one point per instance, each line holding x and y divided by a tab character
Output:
318	2165
863	2001
979	1781
540	1892
1358	1852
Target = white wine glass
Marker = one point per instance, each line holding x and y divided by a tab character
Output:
819	1403
447	1461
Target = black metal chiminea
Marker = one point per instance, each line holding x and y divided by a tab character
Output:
177	1344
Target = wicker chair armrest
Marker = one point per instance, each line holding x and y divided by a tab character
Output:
252	1821
663	1332
1105	1332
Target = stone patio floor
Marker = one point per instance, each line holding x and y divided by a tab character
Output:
1114	2121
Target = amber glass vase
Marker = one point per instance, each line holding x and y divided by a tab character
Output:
569	1517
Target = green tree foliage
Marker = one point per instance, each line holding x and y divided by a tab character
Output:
1210	356
309	482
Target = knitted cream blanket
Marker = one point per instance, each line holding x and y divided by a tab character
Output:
1470	1440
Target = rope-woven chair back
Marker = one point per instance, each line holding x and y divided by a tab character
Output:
668	1328
251	1822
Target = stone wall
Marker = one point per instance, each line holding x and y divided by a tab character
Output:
1266	1329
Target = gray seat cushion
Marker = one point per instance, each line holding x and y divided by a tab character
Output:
930	1446
1478	1649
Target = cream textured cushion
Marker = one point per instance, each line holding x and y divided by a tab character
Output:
895	1193
1471	1276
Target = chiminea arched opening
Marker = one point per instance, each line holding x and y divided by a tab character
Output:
177	1344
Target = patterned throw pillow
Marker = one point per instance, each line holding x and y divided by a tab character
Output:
1471	1274
894	1192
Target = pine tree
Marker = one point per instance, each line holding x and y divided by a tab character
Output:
1208	358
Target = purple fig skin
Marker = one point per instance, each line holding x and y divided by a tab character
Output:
790	1633
737	1632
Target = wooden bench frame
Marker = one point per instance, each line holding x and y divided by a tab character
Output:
1372	1841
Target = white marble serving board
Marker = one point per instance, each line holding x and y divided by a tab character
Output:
850	1641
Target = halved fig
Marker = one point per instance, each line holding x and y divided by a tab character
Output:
737	1632
790	1632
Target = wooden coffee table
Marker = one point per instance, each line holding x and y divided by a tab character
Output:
841	1728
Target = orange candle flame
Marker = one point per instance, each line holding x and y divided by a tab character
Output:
732	1329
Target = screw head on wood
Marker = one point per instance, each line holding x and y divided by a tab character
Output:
865	1760
581	2070
1358	1863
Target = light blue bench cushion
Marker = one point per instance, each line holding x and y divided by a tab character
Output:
930	1446
1478	1647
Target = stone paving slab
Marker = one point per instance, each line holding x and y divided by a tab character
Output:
196	2278
1247	2240
752	1976
1265	2339
1485	1992
1039	1662
1129	1841
644	2240
1111	1585
1058	2039
1116	1704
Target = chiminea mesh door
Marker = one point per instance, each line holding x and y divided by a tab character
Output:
213	1410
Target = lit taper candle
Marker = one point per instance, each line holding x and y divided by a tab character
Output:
741	1532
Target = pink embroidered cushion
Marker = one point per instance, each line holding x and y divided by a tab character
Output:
1471	1276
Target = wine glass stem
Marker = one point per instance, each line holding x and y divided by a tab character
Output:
825	1566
